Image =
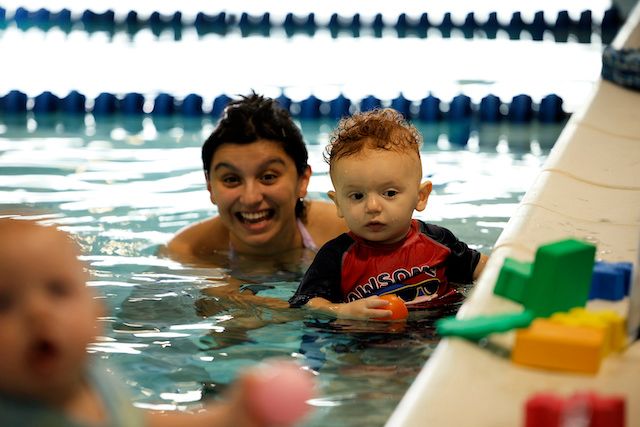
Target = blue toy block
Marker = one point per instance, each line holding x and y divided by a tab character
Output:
610	281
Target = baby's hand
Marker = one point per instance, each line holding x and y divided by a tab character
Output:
364	309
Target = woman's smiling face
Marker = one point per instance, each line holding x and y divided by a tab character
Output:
256	187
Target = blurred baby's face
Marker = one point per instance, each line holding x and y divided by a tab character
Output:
47	314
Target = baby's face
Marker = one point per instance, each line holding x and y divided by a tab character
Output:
47	314
377	192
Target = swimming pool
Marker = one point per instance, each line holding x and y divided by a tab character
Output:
123	188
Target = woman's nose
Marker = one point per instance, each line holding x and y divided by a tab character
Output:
251	194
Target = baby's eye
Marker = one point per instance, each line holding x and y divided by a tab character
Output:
390	193
356	196
6	302
268	178
58	288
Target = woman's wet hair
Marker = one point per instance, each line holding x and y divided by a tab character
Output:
252	118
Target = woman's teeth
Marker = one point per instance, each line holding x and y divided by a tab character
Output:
254	216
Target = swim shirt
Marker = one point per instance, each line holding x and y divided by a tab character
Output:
120	410
418	268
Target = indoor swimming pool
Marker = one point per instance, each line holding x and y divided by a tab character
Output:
122	182
123	194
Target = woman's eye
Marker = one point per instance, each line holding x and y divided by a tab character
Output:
230	180
390	193
269	178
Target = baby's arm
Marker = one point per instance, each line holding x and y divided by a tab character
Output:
480	266
363	309
275	394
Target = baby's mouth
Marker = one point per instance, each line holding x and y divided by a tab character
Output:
255	217
43	355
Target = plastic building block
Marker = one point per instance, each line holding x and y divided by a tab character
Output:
615	325
550	345
560	278
589	322
587	409
544	410
513	279
608	283
479	327
591	409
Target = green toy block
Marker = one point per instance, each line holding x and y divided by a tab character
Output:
479	327
512	279
560	278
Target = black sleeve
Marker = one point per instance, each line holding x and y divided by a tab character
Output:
463	260
322	279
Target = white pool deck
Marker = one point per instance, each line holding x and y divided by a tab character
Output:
589	188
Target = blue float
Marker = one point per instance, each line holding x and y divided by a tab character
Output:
339	107
191	105
310	108
219	104
132	104
460	108
284	101
550	109
520	109
429	110
164	105
370	103
15	102
74	103
105	104
45	103
490	109
402	105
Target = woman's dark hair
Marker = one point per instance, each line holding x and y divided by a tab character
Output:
250	119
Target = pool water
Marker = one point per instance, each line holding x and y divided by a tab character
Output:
123	188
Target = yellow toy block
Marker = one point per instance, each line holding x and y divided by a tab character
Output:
615	323
551	345
587	320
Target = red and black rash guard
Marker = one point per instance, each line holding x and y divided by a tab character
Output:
419	267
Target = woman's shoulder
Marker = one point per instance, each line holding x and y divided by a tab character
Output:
323	222
201	237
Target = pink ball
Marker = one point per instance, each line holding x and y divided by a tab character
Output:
280	392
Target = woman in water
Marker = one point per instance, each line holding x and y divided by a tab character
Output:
256	170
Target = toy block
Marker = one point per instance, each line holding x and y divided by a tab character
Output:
514	276
574	319
555	346
608	283
543	410
608	412
479	327
615	325
580	409
560	277
594	410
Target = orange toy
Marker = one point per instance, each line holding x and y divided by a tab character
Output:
396	305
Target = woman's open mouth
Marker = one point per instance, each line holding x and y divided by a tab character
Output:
255	217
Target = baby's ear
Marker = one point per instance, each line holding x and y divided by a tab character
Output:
423	195
332	196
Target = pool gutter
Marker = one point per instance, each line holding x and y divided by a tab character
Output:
589	188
